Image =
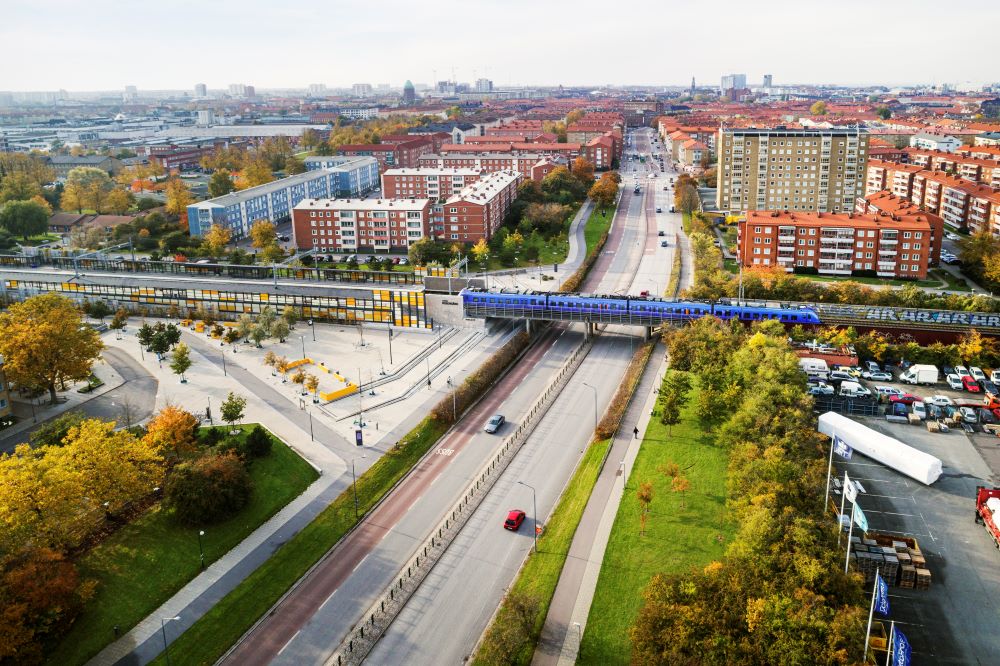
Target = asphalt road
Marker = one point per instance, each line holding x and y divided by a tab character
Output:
446	616
133	401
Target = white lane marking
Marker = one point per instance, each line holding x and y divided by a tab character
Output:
290	640
358	565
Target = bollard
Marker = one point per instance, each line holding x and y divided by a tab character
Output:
362	632
425	549
408	573
350	646
392	593
418	562
401	583
383	606
373	619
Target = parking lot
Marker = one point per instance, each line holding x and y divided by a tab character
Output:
956	621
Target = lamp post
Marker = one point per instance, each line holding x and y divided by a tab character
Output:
201	551
208	412
224	373
303	339
595	403
354	485
312	325
390	345
163	632
534	512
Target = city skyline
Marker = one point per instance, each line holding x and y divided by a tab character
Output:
423	45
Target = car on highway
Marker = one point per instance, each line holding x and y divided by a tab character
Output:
970	384
939	400
659	210
954	382
968	414
905	398
888	390
877	376
663	243
514	519
494	424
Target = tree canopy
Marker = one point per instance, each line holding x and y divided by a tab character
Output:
24	218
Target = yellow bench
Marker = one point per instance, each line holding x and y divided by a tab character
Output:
301	361
333	395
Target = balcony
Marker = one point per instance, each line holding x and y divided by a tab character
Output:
889	241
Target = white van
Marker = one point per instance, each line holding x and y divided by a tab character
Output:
815	367
853	390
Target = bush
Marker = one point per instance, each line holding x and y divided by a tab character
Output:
257	443
208	490
211	436
805	270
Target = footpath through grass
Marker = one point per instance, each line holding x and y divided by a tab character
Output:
597	225
213	634
677	538
145	563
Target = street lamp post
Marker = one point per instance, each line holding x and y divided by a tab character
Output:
303	339
224	373
201	550
354	485
163	631
534	512
390	345
595	403
312	326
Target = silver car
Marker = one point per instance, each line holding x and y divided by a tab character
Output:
494	423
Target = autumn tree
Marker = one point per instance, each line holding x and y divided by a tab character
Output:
291	315
24	218
686	199
90	185
818	108
233	409
547	218
19	186
178	196
54	431
253	173
280	330
604	192
43	343
294	165
272	254
220	183
207	490
216	239
583	170
645	496
263	233
173	432
119	201
180	360
680	484
673	398
310	138
481	251
312	383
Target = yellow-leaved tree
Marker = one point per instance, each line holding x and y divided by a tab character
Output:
263	233
217	238
178	196
172	432
44	343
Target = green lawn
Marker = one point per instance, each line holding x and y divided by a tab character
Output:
145	563
37	240
875	281
229	619
596	225
676	539
541	571
954	283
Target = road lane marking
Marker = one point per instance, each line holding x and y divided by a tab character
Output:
294	636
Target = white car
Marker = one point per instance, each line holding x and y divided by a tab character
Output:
961	371
939	400
920	410
977	374
995	376
955	382
952	237
968	414
877	376
888	390
821	389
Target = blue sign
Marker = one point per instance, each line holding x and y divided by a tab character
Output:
860	519
357	437
841	448
900	649
881	596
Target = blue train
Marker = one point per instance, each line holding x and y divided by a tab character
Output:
635	307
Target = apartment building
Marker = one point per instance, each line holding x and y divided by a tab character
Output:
568	150
427	183
882	244
795	170
532	166
933	141
986	171
274	201
360	225
892	176
479	210
403	153
887	203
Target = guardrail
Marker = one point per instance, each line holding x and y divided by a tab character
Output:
363	636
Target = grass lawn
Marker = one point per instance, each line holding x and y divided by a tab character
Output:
595	227
37	240
874	281
406	268
954	283
145	563
541	571
676	539
229	619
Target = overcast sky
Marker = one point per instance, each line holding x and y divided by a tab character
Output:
107	44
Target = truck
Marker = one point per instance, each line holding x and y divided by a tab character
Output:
988	511
815	367
920	374
849	389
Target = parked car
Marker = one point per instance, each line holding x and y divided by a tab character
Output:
661	232
986	415
659	210
877	376
821	389
939	400
977	373
906	398
920	410
952	236
514	519
494	423
955	382
970	384
888	390
962	371
995	376
968	414
663	243
988	387
841	376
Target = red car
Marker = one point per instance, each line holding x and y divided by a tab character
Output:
970	384
514	520
906	398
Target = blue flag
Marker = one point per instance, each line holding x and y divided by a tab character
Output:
900	649
841	448
881	596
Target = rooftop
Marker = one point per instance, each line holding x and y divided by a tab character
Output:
916	219
432	171
362	204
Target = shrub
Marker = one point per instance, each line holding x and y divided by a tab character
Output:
257	443
211	436
208	490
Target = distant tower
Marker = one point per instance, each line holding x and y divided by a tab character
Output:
692	86
200	90
767	81
409	94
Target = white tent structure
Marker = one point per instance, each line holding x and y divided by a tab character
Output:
889	451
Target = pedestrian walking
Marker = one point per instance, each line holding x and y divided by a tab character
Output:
635	432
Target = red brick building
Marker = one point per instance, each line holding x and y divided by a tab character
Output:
480	209
427	183
531	166
892	245
360	225
394	152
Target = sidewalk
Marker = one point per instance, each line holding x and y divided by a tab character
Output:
567	617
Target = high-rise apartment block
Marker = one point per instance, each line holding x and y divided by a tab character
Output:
484	86
361	90
797	170
200	90
734	82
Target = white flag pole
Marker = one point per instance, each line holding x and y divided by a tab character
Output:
843	499
871	612
829	470
892	634
850	533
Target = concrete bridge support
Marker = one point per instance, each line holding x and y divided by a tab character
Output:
588	330
649	334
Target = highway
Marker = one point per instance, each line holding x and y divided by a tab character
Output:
446	616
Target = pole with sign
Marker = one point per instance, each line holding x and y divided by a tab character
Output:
841	448
850	533
899	648
880	603
358	438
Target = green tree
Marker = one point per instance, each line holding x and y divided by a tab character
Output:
294	165
24	218
220	183
280	330
54	431
181	360
258	443
233	409
19	186
883	112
